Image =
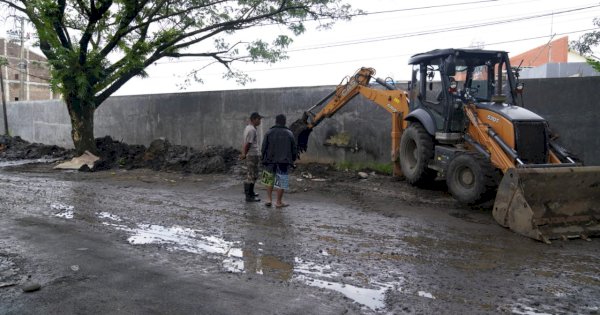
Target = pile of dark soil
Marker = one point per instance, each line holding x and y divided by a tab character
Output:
15	148
115	154
161	155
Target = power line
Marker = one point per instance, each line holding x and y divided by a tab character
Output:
447	26
424	8
400	55
29	74
384	12
417	34
441	30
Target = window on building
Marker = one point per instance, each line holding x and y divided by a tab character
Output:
16	76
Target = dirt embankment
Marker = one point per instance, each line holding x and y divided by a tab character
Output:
15	148
160	155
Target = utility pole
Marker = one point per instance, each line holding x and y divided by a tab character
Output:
2	64
22	63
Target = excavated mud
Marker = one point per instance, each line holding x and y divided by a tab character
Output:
161	155
15	148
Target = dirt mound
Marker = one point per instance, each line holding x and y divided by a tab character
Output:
161	155
15	148
115	154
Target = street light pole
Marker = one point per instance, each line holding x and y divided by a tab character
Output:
3	96
22	63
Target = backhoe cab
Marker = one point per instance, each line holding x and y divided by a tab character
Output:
443	81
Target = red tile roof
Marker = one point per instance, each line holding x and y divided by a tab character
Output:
554	52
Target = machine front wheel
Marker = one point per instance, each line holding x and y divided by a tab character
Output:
471	178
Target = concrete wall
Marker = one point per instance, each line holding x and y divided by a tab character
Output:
572	107
560	70
218	118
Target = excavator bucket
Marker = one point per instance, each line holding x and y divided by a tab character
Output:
301	132
550	203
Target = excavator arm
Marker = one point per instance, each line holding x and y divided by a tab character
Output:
392	100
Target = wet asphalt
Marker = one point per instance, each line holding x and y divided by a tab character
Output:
145	242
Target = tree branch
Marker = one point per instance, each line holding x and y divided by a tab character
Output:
123	78
230	25
83	8
95	16
14	6
122	29
153	19
59	27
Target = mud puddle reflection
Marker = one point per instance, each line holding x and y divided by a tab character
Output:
25	162
238	260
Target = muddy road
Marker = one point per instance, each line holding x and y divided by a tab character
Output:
146	242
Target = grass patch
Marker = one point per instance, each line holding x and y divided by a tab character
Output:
381	168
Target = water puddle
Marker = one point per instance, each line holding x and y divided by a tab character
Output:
371	298
106	215
66	211
426	295
238	260
526	310
322	276
234	262
25	162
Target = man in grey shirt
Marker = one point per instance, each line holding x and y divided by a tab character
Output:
251	154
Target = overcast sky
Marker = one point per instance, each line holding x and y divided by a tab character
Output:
385	40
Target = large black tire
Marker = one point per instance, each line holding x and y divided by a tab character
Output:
471	178
416	151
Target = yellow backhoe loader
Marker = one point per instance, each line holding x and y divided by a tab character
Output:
459	121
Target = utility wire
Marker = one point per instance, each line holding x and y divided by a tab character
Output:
414	34
385	12
448	26
32	75
423	8
395	56
436	31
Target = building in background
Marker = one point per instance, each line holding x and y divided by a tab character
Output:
553	60
37	74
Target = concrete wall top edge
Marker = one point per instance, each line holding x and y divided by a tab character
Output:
161	95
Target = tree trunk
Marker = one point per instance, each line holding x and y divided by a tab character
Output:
81	112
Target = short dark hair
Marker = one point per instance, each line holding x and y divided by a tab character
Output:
255	115
280	120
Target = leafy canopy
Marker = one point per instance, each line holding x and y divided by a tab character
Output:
585	44
95	46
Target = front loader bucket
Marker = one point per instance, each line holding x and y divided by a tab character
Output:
550	203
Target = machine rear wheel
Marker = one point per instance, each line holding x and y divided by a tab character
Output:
416	150
471	179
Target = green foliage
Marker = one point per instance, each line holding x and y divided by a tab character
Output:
595	64
381	168
586	43
3	61
94	47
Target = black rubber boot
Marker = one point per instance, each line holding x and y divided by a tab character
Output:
252	192
248	191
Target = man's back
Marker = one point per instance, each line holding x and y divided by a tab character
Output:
279	146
